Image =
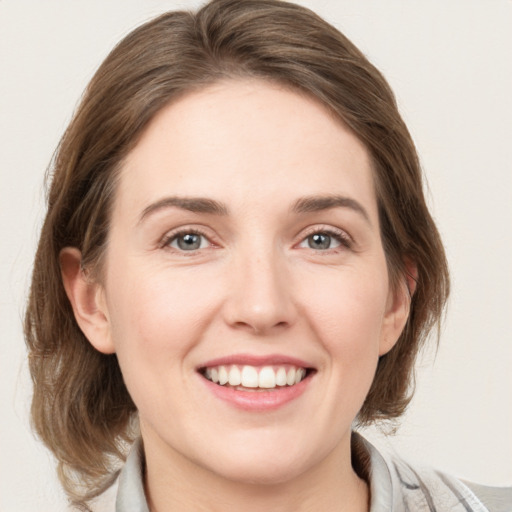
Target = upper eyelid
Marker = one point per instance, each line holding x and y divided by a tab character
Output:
323	228
171	235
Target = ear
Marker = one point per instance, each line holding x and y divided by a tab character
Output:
398	308
87	299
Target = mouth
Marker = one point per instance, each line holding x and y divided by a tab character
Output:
257	383
246	377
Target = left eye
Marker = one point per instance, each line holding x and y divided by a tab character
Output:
321	241
188	242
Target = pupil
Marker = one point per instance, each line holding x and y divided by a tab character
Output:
320	241
189	242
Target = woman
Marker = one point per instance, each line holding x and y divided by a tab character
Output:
238	259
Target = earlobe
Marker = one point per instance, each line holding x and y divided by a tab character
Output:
398	308
87	299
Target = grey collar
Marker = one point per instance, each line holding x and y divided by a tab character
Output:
394	486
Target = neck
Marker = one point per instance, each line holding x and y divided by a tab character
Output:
174	482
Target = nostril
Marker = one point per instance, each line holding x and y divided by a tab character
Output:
259	327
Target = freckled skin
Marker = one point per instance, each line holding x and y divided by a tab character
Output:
254	286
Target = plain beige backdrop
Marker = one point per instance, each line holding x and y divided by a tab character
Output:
450	64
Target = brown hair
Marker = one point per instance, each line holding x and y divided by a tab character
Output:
81	408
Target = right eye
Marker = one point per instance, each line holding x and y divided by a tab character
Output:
187	241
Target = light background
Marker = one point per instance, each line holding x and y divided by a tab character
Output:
450	64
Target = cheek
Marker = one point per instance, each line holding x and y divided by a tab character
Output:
349	307
156	319
347	313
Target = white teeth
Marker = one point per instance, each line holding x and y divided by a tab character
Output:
267	377
223	375
234	378
281	377
251	377
299	375
290	377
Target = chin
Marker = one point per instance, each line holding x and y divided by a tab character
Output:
261	463
261	473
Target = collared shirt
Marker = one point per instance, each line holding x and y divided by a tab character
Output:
395	486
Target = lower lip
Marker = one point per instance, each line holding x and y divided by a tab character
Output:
258	400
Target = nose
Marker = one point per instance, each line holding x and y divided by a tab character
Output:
260	298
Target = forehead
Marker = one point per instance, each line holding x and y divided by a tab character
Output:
243	137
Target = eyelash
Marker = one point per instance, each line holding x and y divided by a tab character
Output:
345	241
171	237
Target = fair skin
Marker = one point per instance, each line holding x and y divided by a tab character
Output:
244	233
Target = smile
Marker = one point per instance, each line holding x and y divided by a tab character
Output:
248	377
257	383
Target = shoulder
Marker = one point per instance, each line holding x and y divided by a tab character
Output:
496	499
399	486
443	492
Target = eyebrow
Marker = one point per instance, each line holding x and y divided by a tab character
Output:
311	204
192	204
308	204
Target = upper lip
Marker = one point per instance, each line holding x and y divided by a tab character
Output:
256	360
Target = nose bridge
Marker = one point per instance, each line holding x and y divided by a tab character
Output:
261	295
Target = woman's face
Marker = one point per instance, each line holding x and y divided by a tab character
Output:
245	244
